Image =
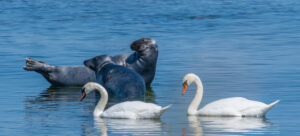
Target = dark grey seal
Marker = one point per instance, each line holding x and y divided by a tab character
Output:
143	61
119	81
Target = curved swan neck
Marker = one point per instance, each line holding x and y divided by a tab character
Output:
192	109
102	102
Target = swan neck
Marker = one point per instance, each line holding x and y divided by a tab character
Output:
197	98
102	102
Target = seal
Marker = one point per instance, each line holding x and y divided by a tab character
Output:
61	75
120	82
143	61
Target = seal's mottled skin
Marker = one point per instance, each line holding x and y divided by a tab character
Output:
119	81
143	61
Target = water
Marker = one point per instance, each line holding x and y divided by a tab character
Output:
238	48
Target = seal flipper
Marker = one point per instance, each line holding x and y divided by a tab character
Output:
38	66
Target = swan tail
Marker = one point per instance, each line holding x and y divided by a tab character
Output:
165	108
270	106
33	65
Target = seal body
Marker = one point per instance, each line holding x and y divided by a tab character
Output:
119	81
70	76
143	61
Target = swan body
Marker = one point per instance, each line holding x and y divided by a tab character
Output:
126	110
233	106
134	110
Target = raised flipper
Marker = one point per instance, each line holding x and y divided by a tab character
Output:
39	66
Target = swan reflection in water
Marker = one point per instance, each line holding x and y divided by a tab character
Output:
195	125
225	125
140	127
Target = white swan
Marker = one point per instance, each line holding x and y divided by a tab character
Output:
130	109
234	106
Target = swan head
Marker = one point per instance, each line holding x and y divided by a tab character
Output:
188	79
87	88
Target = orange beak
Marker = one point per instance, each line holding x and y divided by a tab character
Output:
185	86
82	95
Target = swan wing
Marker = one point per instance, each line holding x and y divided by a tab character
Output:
234	106
133	109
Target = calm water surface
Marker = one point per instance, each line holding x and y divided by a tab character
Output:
238	48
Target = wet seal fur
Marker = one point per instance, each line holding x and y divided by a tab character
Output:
119	81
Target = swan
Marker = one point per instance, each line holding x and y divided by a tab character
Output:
126	110
233	106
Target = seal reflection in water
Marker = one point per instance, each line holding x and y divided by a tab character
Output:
143	61
119	81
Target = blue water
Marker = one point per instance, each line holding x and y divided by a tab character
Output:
238	48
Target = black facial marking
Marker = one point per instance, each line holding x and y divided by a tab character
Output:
82	91
185	83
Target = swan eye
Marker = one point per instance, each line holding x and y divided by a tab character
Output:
185	83
83	90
